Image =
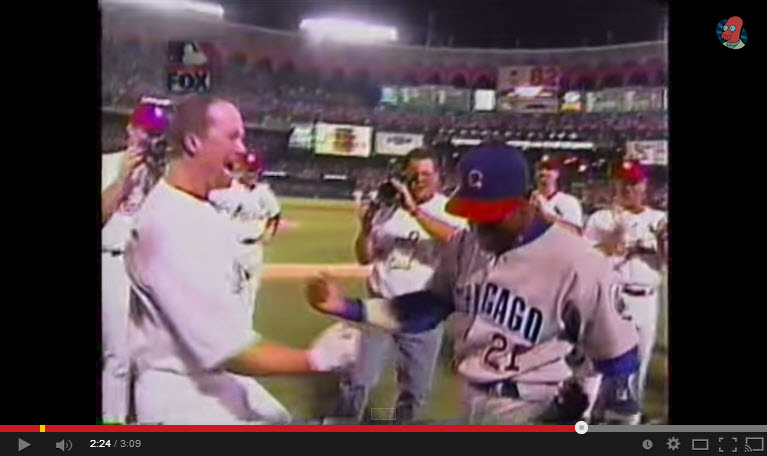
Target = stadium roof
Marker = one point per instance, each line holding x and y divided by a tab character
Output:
476	23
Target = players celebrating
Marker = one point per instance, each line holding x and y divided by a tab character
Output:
518	293
634	238
402	242
192	339
126	178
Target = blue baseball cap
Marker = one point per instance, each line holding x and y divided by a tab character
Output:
495	180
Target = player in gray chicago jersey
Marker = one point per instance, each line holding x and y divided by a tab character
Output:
518	294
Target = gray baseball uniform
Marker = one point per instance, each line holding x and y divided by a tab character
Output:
514	317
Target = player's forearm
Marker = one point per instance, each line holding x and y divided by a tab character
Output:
363	249
410	313
437	229
272	224
111	197
266	358
610	247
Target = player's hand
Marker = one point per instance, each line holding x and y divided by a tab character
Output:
325	295
544	208
131	165
336	348
408	203
661	231
365	212
134	157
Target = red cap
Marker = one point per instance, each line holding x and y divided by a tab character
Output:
550	163
252	161
630	171
151	118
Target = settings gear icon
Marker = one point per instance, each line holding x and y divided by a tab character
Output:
673	444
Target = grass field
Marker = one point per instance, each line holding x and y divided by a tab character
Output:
321	233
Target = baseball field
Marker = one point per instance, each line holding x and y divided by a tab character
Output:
318	235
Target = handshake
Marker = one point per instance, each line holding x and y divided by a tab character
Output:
336	348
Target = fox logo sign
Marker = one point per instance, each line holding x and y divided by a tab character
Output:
188	67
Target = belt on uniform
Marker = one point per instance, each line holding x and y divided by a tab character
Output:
250	241
632	291
503	388
112	252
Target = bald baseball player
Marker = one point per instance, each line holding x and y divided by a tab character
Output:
518	292
126	177
402	243
555	205
633	237
253	207
192	337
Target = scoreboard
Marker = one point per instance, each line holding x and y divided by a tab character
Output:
512	77
528	89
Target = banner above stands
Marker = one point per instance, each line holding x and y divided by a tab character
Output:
397	143
342	139
567	145
648	152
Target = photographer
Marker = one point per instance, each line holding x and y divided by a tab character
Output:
401	235
126	179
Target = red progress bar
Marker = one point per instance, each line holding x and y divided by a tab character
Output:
304	428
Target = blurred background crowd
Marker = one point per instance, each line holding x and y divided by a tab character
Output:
280	81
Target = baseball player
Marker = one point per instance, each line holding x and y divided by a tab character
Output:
402	242
191	335
633	236
517	292
254	208
126	177
554	204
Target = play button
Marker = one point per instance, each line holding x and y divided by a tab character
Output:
23	444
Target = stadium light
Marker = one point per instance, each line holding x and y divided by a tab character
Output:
348	30
211	9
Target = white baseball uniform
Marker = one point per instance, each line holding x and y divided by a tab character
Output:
639	275
249	209
564	206
189	314
114	294
508	315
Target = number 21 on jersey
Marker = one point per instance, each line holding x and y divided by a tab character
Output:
501	354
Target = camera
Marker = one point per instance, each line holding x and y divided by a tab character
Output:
387	194
156	152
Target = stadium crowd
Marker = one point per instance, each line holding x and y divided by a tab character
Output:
280	98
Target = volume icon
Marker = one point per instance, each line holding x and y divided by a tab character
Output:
64	445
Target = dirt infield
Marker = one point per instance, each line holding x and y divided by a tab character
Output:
301	271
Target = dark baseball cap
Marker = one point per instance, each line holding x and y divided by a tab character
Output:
495	181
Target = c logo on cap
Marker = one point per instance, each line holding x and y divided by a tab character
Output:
474	179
